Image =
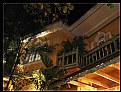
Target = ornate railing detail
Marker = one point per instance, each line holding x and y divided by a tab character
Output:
99	54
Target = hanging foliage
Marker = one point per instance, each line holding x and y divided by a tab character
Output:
78	41
46	60
46	13
67	46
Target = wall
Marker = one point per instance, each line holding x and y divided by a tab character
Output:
55	39
30	67
113	27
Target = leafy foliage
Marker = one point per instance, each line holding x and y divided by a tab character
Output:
110	5
16	24
78	41
46	60
11	45
42	11
19	82
67	46
43	51
52	72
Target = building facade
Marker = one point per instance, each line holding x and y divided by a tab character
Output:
99	68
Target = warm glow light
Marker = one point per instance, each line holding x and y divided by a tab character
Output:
43	33
35	75
85	87
81	86
26	40
4	61
30	87
78	88
34	90
47	32
6	79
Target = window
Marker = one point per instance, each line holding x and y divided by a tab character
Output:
102	41
38	57
100	38
31	57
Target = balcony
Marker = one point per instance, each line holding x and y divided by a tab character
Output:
100	54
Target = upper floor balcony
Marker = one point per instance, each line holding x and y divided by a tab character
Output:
105	51
100	54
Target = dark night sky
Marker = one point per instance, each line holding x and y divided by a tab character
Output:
79	10
17	12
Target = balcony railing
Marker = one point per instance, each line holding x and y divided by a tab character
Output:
98	55
68	59
31	57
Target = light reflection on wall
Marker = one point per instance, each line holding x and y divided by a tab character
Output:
44	33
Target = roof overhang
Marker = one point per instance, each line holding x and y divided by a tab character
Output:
95	19
92	21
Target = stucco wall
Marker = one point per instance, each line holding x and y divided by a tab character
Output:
53	39
56	39
113	27
61	35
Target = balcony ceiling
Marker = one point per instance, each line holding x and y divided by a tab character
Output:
107	78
